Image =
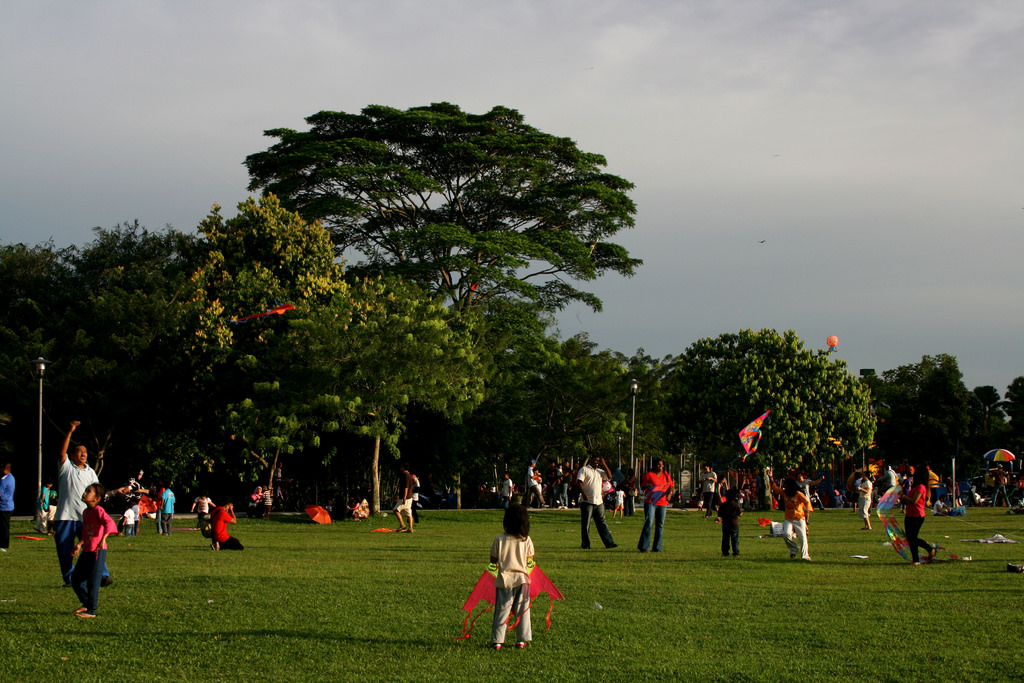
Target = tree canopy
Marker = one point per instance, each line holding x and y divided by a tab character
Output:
924	411
721	384
474	207
1014	409
378	348
108	315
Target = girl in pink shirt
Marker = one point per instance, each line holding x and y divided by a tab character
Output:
915	502
91	551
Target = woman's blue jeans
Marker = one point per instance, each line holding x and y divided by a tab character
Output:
654	516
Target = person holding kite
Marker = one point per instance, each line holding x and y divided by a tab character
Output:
73	476
512	555
512	591
914	517
797	507
864	490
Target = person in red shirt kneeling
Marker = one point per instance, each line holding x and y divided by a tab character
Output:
222	516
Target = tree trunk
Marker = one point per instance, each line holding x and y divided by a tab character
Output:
458	491
375	469
101	452
273	468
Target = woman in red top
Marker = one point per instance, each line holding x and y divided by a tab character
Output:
915	501
657	485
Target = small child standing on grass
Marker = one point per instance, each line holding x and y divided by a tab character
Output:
729	514
512	558
620	502
201	506
91	551
128	520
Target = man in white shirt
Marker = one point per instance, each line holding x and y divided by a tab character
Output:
73	476
590	478
532	489
708	483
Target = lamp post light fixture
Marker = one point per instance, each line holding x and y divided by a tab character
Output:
40	366
634	387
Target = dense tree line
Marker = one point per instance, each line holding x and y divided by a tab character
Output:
139	327
209	358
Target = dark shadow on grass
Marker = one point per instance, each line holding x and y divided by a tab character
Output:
294	520
215	638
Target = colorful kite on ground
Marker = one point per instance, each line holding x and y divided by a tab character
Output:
483	591
280	309
750	436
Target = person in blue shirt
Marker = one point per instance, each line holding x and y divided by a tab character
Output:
167	511
45	507
6	506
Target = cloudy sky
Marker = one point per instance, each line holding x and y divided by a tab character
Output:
847	168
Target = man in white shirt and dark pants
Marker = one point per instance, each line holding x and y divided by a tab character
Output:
590	478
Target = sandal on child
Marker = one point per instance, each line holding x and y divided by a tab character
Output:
85	615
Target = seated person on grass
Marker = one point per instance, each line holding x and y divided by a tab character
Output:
940	507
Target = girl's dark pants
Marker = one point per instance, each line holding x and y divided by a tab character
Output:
912	527
87	577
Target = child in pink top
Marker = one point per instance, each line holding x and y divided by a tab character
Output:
91	551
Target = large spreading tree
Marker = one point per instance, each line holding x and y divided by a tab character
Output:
473	207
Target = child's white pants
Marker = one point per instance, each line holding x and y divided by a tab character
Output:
517	601
798	527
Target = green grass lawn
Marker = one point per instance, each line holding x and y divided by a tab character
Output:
339	603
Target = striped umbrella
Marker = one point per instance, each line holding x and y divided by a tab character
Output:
1000	455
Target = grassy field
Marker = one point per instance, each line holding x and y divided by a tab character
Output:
338	603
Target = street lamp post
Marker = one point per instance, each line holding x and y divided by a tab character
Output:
634	387
40	365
